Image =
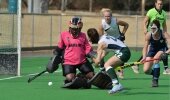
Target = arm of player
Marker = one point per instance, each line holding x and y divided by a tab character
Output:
88	46
146	45
145	24
124	24
168	51
100	30
165	26
167	37
100	53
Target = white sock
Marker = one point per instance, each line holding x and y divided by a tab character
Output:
106	69
115	81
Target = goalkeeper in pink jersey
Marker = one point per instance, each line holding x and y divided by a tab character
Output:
75	46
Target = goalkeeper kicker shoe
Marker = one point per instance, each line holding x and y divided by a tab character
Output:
116	88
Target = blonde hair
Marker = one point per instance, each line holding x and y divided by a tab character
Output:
103	10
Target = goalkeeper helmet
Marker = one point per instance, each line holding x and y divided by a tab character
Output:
75	26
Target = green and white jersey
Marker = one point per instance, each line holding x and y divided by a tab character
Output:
111	29
154	14
118	47
111	42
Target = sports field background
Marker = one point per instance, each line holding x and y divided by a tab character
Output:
137	86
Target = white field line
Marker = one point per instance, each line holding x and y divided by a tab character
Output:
8	78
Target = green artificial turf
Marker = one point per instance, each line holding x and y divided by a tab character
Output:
136	86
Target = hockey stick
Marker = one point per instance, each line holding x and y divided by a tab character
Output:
37	75
133	63
50	68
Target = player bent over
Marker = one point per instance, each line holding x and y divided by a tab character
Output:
122	54
154	48
75	47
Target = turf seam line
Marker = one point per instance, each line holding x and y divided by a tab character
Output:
8	78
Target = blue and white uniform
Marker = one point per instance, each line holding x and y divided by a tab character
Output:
156	45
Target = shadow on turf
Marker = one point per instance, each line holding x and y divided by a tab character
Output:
165	86
136	79
127	91
148	93
142	78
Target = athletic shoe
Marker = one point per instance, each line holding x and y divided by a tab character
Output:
167	71
120	74
135	69
155	83
116	88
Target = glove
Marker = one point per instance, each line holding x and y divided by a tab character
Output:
92	54
122	37
57	51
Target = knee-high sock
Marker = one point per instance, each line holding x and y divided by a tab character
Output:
165	62
111	72
156	71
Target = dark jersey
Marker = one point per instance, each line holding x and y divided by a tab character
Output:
156	45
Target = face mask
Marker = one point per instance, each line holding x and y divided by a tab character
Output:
154	29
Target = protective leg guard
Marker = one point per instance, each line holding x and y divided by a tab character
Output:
101	80
86	84
75	83
53	64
